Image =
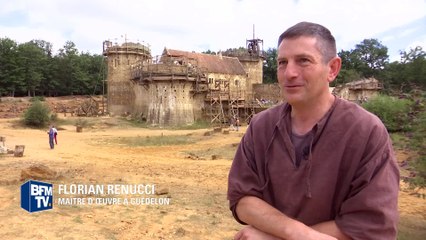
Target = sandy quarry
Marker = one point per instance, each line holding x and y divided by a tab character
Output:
196	187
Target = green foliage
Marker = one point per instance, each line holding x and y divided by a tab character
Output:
418	143
406	75
419	180
270	66
32	58
235	52
393	112
81	122
209	52
373	54
37	115
30	69
368	59
54	117
345	76
419	131
38	98
9	70
156	140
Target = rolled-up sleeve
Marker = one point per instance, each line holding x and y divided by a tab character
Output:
243	179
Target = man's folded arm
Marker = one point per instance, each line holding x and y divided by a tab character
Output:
262	216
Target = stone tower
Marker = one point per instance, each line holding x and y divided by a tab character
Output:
120	59
253	64
251	59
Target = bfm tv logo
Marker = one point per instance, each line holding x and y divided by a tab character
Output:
36	196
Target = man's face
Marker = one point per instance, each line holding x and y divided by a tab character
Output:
302	74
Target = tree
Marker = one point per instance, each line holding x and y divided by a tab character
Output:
270	66
47	70
409	74
412	55
350	65
209	52
415	66
241	51
90	73
31	61
373	57
9	70
66	69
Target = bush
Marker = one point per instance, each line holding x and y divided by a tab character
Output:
37	98
80	122
419	144
394	113
419	132
37	115
54	117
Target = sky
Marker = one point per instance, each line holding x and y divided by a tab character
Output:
216	25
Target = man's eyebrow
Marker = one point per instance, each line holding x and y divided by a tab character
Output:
304	55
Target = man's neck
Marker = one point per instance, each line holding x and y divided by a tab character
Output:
305	117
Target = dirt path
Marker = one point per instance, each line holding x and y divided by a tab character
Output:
196	188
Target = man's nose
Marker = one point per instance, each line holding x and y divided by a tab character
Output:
291	71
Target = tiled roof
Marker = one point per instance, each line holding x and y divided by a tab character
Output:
213	63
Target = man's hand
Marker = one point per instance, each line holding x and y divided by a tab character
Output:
307	233
251	233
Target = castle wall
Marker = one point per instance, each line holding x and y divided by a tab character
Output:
358	95
199	106
167	103
237	83
120	88
267	92
254	69
141	103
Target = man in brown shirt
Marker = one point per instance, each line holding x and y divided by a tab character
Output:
317	167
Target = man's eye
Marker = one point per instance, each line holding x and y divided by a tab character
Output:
282	62
304	61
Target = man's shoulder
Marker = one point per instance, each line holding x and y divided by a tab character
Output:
349	112
270	116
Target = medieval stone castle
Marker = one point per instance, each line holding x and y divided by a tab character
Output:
182	87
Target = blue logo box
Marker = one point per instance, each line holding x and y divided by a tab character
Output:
36	196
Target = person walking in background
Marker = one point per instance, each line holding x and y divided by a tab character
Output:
55	134
316	167
232	126
51	134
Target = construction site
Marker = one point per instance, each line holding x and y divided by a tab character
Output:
182	87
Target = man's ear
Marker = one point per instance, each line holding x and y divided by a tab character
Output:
334	68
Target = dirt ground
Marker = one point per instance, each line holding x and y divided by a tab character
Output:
198	207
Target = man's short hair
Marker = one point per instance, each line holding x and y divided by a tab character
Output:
326	42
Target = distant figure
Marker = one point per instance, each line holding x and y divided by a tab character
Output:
51	134
55	134
237	124
232	126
